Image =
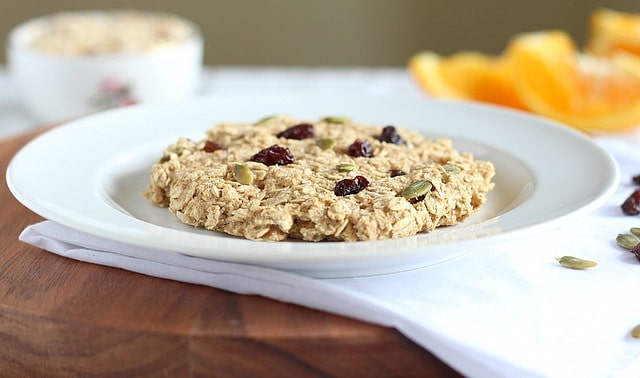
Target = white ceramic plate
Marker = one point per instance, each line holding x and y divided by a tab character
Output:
89	175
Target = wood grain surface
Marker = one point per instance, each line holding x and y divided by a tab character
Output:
61	317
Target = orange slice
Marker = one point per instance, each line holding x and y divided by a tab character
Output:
612	31
466	75
590	93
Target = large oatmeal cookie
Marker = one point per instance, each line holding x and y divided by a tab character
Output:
303	199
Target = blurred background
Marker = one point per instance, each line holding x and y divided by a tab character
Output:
343	32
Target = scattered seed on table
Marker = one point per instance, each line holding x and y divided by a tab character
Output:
572	262
627	241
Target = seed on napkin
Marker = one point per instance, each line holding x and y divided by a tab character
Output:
572	262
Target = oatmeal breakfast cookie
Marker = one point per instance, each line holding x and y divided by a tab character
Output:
326	180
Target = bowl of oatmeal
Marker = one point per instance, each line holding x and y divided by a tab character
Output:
70	64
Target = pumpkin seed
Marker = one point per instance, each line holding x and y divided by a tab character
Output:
325	143
635	231
345	167
265	119
635	332
451	168
242	174
575	262
627	241
336	119
417	189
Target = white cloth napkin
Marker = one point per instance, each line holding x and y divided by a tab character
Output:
507	310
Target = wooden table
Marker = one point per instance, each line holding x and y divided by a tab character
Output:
61	317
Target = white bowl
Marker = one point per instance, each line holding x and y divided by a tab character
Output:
56	86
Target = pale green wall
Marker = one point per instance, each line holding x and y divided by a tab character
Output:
343	32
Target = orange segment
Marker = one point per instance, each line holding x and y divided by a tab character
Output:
612	31
590	93
466	75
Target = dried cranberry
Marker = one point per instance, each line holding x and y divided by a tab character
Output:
396	172
636	251
360	147
390	135
417	199
636	179
274	155
350	186
631	206
299	132
210	146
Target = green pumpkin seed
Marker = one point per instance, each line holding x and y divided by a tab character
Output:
451	168
345	167
635	332
242	174
627	241
575	262
325	143
166	157
417	189
635	231
336	119
265	119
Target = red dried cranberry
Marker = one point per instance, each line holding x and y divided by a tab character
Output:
274	155
417	199
360	147
350	186
390	135
299	132
636	251
631	206
396	172
210	146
